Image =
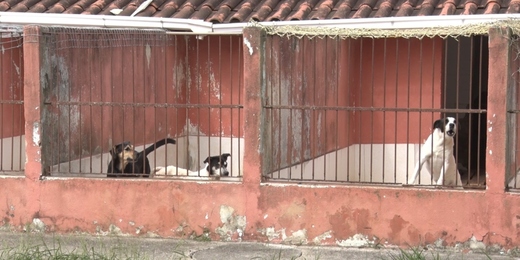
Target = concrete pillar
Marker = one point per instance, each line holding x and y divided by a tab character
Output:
499	80
32	101
254	91
33	107
254	127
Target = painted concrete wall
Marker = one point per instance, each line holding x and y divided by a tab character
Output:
253	210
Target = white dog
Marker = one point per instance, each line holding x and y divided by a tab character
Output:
437	154
214	166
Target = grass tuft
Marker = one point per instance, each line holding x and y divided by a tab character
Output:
412	254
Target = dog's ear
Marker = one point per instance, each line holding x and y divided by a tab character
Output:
224	156
439	124
113	150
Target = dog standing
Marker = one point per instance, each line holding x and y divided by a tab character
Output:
214	166
437	154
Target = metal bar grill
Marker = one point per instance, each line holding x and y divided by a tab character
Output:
513	176
359	110
12	126
108	86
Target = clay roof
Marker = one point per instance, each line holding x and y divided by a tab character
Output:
229	11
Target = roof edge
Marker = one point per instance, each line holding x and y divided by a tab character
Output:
203	27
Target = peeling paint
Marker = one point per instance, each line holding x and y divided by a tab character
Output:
248	45
36	134
317	240
112	230
490	152
16	68
358	240
490	129
215	86
148	53
298	237
474	244
270	233
37	225
232	223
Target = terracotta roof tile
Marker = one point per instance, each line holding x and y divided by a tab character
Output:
427	7
514	7
323	10
244	11
344	9
283	10
6	5
168	8
264	9
230	11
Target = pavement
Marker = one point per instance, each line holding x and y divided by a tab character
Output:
121	247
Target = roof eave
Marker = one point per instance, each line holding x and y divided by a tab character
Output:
202	27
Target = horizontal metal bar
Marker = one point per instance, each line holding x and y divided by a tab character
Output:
130	104
384	109
14	102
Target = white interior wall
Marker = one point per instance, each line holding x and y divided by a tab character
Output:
12	156
379	163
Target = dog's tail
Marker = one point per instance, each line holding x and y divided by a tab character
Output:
158	144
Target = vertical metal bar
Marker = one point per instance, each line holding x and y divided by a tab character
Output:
280	111
385	46
336	92
360	116
199	86
2	106
306	42
312	131
479	133
372	76
396	102
408	83
69	90
421	61
208	80
10	53
240	101
323	127
21	115
91	124
349	113
220	92
336	134
175	59
471	131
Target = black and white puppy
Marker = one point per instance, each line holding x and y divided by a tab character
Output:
127	162
437	154
214	166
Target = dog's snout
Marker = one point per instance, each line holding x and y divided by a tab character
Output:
451	125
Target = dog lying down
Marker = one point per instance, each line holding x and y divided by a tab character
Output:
437	155
214	166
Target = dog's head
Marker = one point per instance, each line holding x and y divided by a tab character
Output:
217	165
124	151
446	125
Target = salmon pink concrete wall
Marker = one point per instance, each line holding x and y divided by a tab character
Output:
253	210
